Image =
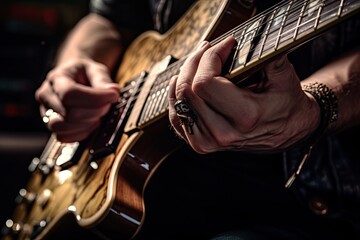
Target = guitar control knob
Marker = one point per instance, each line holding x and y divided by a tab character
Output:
38	228
25	197
43	166
11	228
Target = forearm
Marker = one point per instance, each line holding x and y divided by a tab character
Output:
343	77
93	37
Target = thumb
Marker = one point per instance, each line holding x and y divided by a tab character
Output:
279	64
280	71
102	85
99	77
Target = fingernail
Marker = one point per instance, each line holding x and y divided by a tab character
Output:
202	44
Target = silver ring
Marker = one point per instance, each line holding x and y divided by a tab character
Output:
49	113
185	114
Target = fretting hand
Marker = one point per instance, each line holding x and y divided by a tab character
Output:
227	117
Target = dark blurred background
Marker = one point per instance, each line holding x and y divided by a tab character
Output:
30	33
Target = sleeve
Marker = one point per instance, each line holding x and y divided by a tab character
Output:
132	16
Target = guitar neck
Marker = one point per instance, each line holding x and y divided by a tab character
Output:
285	27
277	30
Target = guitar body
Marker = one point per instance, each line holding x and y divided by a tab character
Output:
100	184
106	194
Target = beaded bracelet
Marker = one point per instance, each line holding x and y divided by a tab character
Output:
328	104
327	101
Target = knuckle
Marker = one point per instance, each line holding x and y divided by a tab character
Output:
199	148
183	90
39	94
222	140
199	85
212	54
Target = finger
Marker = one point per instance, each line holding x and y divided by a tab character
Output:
74	135
69	132
183	90
77	95
49	99
174	119
206	135
184	82
99	77
280	73
219	93
214	59
83	115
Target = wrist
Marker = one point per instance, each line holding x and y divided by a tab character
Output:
327	105
328	113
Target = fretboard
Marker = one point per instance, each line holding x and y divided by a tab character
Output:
277	30
285	26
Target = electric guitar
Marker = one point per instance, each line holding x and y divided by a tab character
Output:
99	184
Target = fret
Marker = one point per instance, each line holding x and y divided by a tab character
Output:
316	23
329	12
341	5
163	81
266	34
289	25
248	41
165	103
282	25
350	6
141	101
274	29
239	36
150	102
152	106
173	71
157	99
308	19
158	93
299	20
146	109
245	47
162	96
281	29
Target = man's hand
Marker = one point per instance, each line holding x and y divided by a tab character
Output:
80	92
231	118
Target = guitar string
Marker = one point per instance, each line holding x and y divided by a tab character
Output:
294	9
242	27
271	33
294	18
178	63
290	20
149	111
222	37
54	145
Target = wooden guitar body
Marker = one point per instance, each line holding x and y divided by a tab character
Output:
102	190
99	184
